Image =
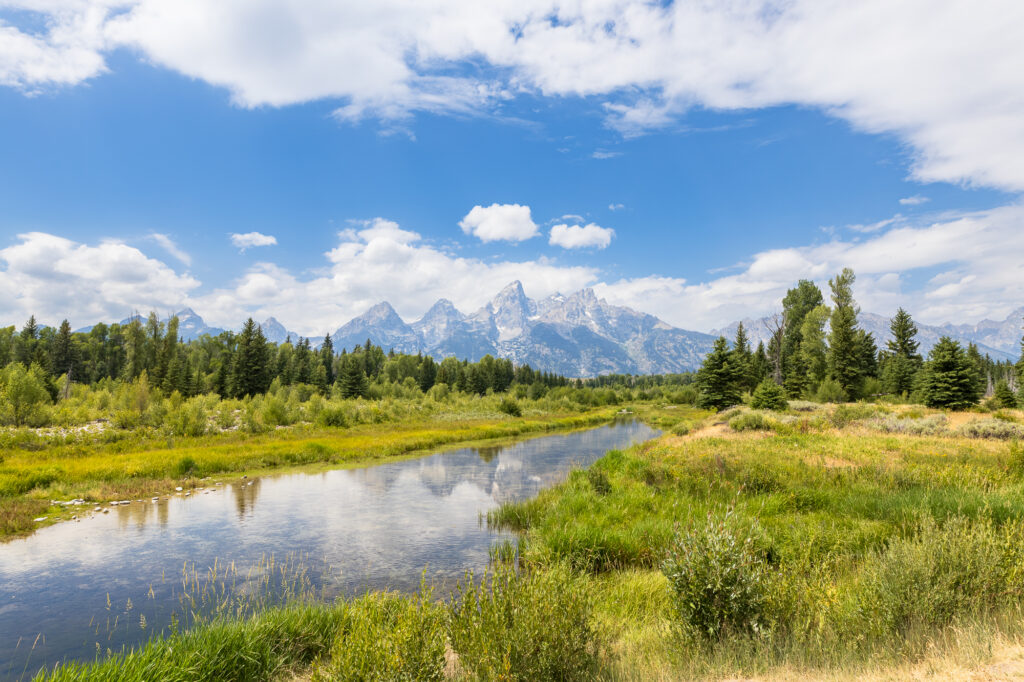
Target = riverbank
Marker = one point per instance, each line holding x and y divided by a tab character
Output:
826	542
35	479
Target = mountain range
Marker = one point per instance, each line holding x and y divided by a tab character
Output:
580	334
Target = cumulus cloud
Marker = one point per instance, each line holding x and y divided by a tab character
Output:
616	207
976	258
500	222
581	236
948	78
915	200
55	278
378	260
247	240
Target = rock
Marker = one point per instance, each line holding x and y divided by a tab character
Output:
41	518
179	488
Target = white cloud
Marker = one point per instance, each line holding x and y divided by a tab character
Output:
55	278
500	222
248	240
168	245
977	256
380	261
915	200
616	207
604	154
581	236
947	78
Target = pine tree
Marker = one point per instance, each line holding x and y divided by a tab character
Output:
949	378
1004	394
742	358
760	366
718	378
63	355
844	358
25	351
902	362
981	376
768	396
352	381
427	374
327	358
250	373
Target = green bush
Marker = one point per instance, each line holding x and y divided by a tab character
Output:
534	626
599	481
750	421
189	419
186	467
933	577
510	407
718	579
682	428
932	425
332	416
844	415
388	637
830	391
275	412
769	396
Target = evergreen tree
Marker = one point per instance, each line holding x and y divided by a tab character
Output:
1020	372
352	381
743	358
427	373
250	373
25	350
1004	394
327	358
769	396
902	362
760	366
981	375
844	359
63	355
718	378
949	378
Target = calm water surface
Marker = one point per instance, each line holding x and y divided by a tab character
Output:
354	529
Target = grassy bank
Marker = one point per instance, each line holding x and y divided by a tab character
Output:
822	543
826	542
47	468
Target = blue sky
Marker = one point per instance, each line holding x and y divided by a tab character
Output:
668	168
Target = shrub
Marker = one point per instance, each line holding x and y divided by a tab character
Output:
991	428
185	468
844	415
769	396
931	578
189	419
718	579
275	412
750	421
534	626
923	426
682	428
388	637
510	407
830	391
332	416
599	481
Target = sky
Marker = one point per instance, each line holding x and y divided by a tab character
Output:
692	160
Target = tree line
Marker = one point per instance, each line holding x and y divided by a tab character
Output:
235	365
819	352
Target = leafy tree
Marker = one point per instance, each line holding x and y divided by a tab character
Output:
844	352
769	396
22	394
798	302
718	377
813	351
949	378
